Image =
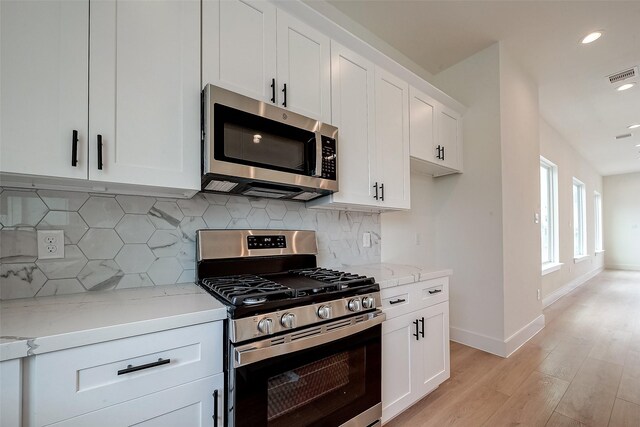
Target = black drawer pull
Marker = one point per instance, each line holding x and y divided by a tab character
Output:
215	408
99	138
74	148
397	301
273	91
435	291
131	368
422	327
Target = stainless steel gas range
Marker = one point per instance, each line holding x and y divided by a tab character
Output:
302	343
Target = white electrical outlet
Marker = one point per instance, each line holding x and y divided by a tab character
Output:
50	244
366	240
539	294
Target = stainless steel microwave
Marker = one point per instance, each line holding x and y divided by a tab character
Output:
257	149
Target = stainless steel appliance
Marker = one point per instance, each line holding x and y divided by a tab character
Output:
303	344
254	148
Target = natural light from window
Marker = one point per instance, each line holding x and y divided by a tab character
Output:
548	212
579	220
597	205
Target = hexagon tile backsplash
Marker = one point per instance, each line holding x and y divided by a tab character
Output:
118	241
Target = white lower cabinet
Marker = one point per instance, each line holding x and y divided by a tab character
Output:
11	393
190	404
415	344
163	378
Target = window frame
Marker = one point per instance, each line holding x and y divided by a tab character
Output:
552	261
581	204
597	217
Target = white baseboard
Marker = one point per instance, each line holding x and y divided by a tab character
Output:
564	290
473	339
630	267
518	339
494	345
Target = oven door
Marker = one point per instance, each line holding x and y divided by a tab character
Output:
320	376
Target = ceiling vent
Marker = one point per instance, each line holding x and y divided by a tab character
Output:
622	76
626	135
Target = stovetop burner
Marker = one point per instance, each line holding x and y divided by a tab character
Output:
247	289
334	277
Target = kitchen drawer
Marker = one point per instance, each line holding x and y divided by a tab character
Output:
72	382
399	300
189	404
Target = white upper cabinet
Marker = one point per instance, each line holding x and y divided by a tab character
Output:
392	140
352	88
145	93
436	135
239	46
43	82
252	48
304	67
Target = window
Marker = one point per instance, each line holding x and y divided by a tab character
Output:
548	211
579	220
597	206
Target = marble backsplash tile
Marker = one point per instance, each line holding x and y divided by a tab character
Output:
120	241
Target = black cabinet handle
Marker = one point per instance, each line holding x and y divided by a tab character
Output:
439	152
99	152
435	291
415	322
273	91
443	152
284	91
376	187
397	301
74	148
132	368
422	327
382	192
215	408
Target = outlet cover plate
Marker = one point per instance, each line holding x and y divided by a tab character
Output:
366	240
50	244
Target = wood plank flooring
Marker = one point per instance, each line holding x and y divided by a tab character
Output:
582	369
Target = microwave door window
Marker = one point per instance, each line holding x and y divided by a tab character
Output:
262	148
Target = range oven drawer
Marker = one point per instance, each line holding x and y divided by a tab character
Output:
79	380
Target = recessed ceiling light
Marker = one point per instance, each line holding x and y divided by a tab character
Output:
626	86
592	37
633	126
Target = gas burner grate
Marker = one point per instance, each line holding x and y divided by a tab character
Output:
246	289
339	279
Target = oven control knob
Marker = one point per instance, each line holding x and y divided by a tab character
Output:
354	305
324	312
368	302
288	320
266	326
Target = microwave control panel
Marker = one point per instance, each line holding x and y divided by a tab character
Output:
329	158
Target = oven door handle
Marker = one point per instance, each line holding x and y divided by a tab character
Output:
261	350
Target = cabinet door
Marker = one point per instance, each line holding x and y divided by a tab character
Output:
304	65
392	136
190	404
44	84
399	367
434	347
450	137
145	92
239	46
422	125
11	393
352	109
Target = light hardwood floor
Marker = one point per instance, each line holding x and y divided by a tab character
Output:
582	369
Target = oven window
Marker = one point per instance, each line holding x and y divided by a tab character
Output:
252	140
324	385
319	386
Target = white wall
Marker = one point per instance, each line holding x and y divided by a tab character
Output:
570	164
519	124
468	207
621	206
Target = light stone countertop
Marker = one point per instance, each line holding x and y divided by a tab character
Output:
39	325
390	275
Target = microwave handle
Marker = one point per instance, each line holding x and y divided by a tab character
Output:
318	168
